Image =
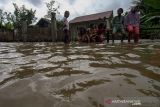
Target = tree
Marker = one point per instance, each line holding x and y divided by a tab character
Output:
1	18
23	14
155	4
52	6
59	24
147	6
141	7
5	20
150	18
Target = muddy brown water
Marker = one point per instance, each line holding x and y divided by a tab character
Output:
55	75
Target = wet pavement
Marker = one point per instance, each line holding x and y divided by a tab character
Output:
55	75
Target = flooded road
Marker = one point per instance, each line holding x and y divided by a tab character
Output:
86	75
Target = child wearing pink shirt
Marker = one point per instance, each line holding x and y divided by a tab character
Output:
132	22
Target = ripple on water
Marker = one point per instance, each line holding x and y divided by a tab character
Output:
10	55
72	57
149	92
108	53
66	72
72	89
154	69
58	59
43	64
116	60
132	61
79	65
133	55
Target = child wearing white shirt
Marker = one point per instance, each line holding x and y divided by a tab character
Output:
66	27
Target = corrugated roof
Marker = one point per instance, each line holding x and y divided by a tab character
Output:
96	16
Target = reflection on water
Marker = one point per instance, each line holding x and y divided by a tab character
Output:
54	75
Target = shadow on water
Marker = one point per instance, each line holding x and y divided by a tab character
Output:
78	87
66	72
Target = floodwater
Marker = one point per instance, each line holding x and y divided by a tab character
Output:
86	75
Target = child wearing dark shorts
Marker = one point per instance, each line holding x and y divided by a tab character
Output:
66	27
118	25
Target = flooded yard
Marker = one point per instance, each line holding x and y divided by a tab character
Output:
86	75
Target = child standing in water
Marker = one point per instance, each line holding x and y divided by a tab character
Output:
66	27
132	24
101	33
93	33
118	25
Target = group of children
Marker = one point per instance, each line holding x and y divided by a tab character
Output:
92	34
123	25
127	24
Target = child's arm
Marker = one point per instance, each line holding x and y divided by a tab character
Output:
123	20
126	21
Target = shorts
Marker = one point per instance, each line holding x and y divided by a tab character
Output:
66	36
133	29
118	30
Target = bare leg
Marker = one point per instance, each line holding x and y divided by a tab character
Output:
107	36
88	38
129	37
113	37
136	35
136	38
123	36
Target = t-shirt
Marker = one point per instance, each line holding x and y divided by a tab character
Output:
118	21
132	19
66	23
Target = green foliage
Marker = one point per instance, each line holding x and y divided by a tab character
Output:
1	18
15	20
6	20
59	25
22	14
148	9
147	6
155	4
150	17
9	26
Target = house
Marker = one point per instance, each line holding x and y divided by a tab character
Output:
85	21
43	22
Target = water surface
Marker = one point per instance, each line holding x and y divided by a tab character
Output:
55	75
